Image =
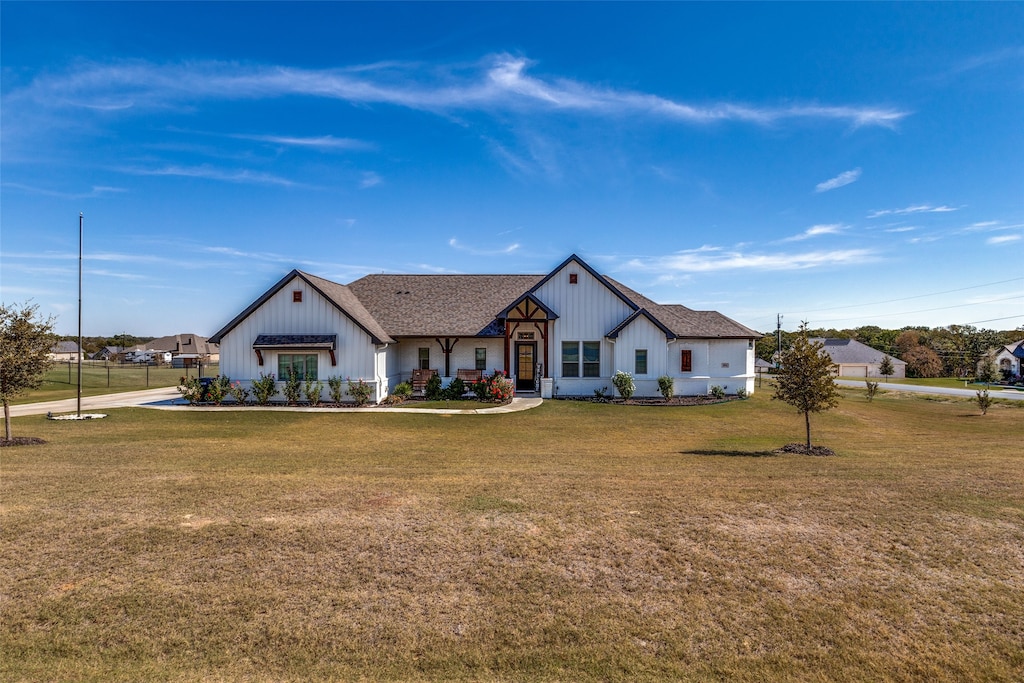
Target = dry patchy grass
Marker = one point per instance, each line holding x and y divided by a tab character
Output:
571	542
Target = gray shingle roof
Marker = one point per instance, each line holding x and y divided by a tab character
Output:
392	306
686	322
433	305
65	347
843	351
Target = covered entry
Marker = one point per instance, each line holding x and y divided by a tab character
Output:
526	366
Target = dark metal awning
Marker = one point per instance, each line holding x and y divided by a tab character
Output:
296	341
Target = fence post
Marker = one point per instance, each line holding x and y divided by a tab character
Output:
108	377
147	375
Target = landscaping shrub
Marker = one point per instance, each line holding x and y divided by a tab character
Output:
623	382
433	389
192	390
312	391
264	388
217	389
455	390
717	392
496	388
360	391
292	388
239	393
984	401
741	392
601	395
336	391
872	388
403	391
666	385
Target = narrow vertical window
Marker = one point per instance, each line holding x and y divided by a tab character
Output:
424	358
297	296
687	361
591	359
481	359
640	362
570	359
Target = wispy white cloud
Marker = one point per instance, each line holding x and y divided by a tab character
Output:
499	82
1003	239
96	191
817	231
844	178
455	244
713	259
370	179
903	228
322	142
243	176
916	208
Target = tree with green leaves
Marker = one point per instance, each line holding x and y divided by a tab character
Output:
885	368
987	371
805	379
25	343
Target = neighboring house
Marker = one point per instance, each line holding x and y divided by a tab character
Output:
192	346
852	358
565	333
1009	359
64	351
108	353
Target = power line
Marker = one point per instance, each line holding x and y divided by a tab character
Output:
939	308
918	296
992	320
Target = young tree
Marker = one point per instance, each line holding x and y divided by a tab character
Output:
885	368
987	372
805	379
25	343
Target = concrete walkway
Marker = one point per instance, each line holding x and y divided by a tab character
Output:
168	398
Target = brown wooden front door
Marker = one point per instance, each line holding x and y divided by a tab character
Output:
526	361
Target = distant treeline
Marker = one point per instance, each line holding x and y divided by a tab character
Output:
952	351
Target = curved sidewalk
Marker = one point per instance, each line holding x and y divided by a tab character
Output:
168	398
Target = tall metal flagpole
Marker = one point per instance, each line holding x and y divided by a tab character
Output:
79	315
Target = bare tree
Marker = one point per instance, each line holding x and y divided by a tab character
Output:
25	343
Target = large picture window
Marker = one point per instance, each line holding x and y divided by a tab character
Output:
303	365
570	359
686	361
591	359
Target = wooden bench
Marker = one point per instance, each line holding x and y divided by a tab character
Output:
469	375
420	379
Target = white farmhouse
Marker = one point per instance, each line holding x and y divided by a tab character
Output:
564	333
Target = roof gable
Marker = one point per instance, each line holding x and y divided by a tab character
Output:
337	295
640	313
597	276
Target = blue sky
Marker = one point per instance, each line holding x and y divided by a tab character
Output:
845	164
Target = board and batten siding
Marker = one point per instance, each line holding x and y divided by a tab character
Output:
587	311
355	351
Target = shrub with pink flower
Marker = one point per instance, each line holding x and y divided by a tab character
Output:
496	388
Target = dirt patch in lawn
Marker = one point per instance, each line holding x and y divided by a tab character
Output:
21	441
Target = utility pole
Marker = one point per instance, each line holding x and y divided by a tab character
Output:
80	221
778	341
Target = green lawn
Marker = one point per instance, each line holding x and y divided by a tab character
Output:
61	381
575	541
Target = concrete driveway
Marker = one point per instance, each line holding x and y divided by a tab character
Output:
127	399
994	392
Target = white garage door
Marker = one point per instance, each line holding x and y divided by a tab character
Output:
854	371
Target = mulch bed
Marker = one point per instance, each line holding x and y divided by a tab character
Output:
802	449
21	441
